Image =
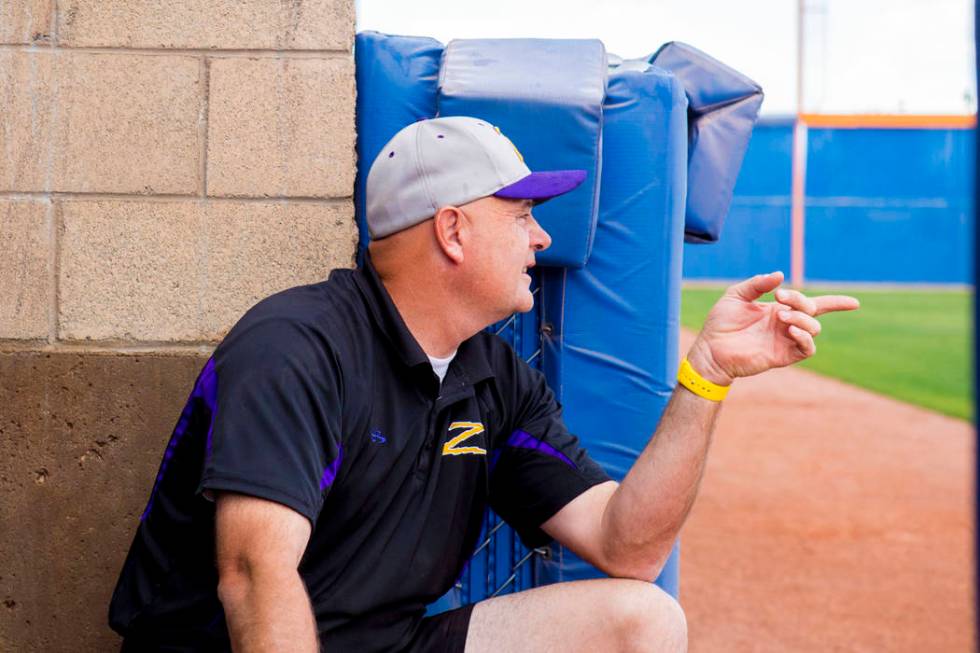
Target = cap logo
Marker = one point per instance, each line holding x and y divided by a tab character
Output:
519	155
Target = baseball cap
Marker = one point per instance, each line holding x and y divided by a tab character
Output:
448	162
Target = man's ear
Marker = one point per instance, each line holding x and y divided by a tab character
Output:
450	231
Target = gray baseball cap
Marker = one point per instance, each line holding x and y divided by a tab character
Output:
449	162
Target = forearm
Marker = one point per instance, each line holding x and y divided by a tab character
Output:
645	513
741	337
268	610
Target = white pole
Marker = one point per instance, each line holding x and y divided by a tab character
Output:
798	192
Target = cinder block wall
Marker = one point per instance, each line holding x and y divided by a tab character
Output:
163	165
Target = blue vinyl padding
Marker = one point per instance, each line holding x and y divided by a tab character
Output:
615	323
556	121
723	107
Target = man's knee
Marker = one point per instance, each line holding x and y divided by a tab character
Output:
648	618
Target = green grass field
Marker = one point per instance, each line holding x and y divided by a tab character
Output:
913	345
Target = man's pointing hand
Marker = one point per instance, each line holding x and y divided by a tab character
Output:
742	336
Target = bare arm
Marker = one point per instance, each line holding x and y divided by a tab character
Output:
628	530
638	531
259	545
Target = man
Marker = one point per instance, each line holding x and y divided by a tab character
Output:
328	476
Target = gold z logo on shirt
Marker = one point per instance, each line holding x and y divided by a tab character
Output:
469	429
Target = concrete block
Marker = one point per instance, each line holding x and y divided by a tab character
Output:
281	127
128	123
81	439
129	270
26	21
25	274
198	24
186	270
254	250
93	122
27	91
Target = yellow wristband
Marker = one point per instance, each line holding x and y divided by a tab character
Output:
699	385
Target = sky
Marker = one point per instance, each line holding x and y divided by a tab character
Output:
861	56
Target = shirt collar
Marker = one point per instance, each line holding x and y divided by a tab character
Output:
471	358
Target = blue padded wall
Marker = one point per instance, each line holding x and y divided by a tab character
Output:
557	120
614	325
723	105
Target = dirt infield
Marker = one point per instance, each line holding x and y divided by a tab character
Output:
830	519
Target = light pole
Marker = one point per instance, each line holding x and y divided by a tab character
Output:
798	189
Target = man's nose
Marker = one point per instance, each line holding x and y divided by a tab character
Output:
540	239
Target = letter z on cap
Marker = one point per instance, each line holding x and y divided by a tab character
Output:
449	162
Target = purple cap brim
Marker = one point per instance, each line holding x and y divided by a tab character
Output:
543	185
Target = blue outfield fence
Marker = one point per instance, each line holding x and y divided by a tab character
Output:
882	205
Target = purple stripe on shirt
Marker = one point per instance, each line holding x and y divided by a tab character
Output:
523	440
210	396
206	391
330	471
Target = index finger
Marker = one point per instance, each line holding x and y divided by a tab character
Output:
831	303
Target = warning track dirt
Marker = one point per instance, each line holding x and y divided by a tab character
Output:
830	519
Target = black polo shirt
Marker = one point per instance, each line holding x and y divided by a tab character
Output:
321	399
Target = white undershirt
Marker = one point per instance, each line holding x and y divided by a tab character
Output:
440	365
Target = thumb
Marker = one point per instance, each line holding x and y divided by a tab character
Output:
754	288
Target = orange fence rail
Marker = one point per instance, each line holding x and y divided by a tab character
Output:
888	121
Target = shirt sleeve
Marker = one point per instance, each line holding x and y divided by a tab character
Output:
538	467
275	430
